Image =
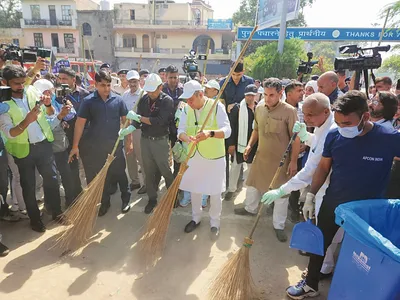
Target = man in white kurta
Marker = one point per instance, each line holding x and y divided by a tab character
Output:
317	114
206	172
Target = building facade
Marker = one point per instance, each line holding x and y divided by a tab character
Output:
12	36
97	29
49	24
161	33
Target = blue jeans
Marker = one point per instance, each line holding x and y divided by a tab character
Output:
40	156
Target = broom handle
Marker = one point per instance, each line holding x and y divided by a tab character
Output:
125	125
193	147
260	210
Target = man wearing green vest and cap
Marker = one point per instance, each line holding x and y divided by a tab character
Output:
28	139
206	172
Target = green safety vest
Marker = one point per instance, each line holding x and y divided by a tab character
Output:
19	145
211	148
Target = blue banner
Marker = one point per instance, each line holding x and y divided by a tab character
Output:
321	34
220	24
63	63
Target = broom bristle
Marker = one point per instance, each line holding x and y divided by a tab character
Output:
82	214
152	243
234	282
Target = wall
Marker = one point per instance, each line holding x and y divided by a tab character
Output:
8	34
87	5
44	9
101	41
141	11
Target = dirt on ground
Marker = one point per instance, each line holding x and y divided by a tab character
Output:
110	266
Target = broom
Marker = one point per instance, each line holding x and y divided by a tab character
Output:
234	282
152	242
82	214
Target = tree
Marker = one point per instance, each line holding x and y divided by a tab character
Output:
392	65
10	13
268	62
394	14
246	14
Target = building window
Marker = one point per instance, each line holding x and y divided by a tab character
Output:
87	29
38	40
35	12
164	36
129	41
15	42
165	6
66	12
89	55
69	40
132	14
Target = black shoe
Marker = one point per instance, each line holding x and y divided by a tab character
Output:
214	233
150	207
134	186
228	196
142	190
281	235
125	207
241	211
38	226
191	226
103	209
4	250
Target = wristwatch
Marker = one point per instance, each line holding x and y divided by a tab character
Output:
212	133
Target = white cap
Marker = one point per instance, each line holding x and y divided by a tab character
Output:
261	90
132	74
213	84
43	85
313	84
190	88
152	83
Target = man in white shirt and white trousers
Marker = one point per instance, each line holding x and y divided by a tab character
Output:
206	172
317	114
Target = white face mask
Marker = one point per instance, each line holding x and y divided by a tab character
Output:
351	132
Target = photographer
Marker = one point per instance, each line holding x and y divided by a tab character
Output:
328	85
342	81
68	76
60	143
383	108
29	138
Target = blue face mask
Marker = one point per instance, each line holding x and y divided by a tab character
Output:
351	132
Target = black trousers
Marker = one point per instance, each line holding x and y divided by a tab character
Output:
326	222
393	191
64	168
74	165
93	161
295	195
40	156
3	182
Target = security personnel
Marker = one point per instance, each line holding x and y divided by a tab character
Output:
104	111
123	85
29	138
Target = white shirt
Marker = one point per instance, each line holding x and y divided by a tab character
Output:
119	89
35	133
385	123
316	143
131	99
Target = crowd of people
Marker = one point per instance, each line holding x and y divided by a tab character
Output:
346	146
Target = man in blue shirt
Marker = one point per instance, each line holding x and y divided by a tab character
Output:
105	112
358	155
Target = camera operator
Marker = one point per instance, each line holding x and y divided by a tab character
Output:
29	138
383	84
68	76
342	81
174	89
328	85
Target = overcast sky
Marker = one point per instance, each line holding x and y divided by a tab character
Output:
324	13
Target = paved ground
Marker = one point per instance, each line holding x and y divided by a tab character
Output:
109	267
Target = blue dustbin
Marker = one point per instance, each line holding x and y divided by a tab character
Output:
368	267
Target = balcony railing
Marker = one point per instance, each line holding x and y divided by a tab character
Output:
66	50
169	52
43	22
191	23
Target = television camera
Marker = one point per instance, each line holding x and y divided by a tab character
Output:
12	52
360	62
190	65
305	67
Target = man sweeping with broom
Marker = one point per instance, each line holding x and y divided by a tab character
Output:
206	172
